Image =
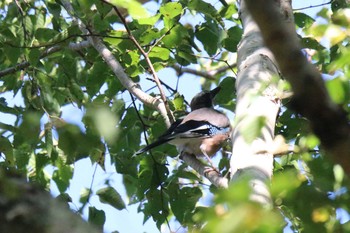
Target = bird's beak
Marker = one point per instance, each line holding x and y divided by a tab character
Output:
215	91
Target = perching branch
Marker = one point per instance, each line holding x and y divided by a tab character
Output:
212	176
49	51
311	99
117	68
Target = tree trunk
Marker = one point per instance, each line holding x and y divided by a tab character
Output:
256	111
26	208
328	120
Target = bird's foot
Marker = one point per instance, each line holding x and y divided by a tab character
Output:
209	169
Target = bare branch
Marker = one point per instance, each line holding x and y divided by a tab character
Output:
311	99
210	75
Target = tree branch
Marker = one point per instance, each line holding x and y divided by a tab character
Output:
212	176
117	68
311	99
210	75
153	71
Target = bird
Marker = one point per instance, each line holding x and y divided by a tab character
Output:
201	133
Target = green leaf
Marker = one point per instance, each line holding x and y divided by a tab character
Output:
104	121
228	12
84	195
30	126
54	9
97	217
69	135
285	183
7	149
22	155
135	9
201	6
161	53
62	176
149	35
311	43
149	20
12	53
34	56
171	9
157	206
207	9
179	103
125	164
145	176
185	55
130	184
110	196
45	34
183	201
234	35
338	89
209	34
227	92
339	4
175	36
303	20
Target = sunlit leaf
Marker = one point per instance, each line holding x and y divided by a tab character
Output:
135	9
110	196
171	9
338	89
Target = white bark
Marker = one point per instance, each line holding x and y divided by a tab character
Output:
328	120
257	97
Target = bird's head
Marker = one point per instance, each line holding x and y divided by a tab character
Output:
204	99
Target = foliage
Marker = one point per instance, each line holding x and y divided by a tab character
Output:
309	191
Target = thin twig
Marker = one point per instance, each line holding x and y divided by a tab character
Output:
116	67
22	20
312	6
180	70
64	40
154	160
153	71
164	84
90	190
161	38
205	74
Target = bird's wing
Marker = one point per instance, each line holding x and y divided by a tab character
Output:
197	129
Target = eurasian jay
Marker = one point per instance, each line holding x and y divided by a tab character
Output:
202	132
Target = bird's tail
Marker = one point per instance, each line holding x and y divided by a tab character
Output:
159	142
